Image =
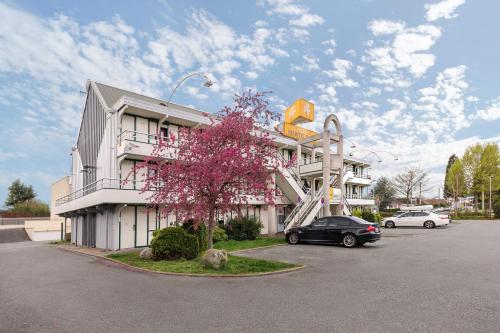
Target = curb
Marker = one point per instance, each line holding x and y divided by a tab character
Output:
257	248
281	271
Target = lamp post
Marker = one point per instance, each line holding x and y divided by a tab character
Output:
374	152
208	83
491	210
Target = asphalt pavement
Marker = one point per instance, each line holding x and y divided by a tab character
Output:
12	235
414	280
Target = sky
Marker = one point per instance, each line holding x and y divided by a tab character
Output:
418	79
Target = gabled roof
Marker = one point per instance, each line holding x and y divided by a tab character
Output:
112	94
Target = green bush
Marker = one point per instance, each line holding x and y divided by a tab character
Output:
30	208
220	235
368	216
201	233
496	208
357	212
174	243
246	228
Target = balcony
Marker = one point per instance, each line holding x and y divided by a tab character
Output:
116	191
360	200
314	166
137	144
358	178
103	191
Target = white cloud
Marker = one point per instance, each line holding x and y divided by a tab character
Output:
386	27
339	73
311	63
442	105
405	50
491	113
444	9
299	15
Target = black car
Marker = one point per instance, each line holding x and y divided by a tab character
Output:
349	231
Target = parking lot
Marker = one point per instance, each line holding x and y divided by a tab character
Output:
414	280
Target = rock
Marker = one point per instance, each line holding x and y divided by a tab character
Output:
146	253
214	258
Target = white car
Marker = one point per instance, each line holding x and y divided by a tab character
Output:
416	219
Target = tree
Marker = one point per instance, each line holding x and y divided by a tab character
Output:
19	193
456	180
385	191
216	167
481	161
447	192
408	182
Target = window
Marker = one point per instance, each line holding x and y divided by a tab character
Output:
319	223
164	132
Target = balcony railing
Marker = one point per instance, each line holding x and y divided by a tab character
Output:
104	183
359	196
358	174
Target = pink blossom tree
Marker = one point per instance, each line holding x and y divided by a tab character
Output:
216	167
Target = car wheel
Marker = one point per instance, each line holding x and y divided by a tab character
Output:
429	224
349	240
389	224
292	238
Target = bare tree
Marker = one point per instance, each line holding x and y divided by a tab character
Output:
411	182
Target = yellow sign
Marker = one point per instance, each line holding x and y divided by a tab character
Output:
296	132
301	111
335	195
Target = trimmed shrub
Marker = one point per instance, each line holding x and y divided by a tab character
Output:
174	243
201	233
220	235
246	228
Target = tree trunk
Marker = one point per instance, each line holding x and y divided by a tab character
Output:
210	236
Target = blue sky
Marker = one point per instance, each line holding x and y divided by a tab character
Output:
416	78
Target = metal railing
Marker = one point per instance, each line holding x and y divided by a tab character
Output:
290	168
104	183
359	196
358	174
310	160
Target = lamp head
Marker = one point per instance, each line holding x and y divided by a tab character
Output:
208	83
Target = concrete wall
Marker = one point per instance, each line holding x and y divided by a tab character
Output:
58	190
42	230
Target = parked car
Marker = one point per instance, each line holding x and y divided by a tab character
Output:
427	220
349	231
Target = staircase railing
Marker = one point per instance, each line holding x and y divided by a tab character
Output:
290	169
303	209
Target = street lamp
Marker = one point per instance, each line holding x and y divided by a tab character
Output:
375	152
491	211
353	144
208	82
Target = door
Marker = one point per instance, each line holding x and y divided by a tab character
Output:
335	226
405	220
126	228
141	227
316	231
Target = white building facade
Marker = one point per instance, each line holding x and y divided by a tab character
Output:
119	129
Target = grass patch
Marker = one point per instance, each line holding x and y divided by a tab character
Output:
59	242
233	245
236	265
